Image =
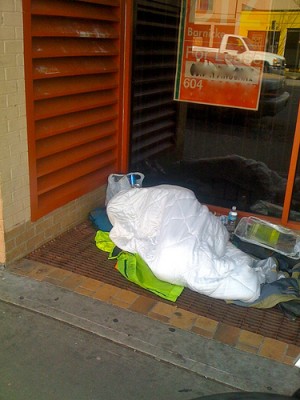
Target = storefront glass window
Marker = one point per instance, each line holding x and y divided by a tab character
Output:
236	93
241	102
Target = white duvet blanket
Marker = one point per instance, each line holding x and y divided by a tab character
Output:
182	242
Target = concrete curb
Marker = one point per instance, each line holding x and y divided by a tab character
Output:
192	352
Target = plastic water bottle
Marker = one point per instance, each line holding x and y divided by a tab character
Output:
132	180
232	219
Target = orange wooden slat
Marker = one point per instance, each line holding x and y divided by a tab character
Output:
126	27
61	47
58	178
49	201
56	87
76	9
69	27
72	156
48	68
70	122
102	2
70	104
65	141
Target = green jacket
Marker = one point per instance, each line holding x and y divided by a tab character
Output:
134	268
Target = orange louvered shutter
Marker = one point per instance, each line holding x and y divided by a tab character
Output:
74	66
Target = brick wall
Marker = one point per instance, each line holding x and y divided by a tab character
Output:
27	236
18	235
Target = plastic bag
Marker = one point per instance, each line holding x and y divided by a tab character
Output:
118	182
268	235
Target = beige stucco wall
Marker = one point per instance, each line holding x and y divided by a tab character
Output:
18	235
2	244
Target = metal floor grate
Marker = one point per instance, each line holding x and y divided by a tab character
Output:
75	251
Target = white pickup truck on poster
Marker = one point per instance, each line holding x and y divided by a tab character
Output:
229	75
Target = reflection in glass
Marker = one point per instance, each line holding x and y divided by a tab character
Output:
233	153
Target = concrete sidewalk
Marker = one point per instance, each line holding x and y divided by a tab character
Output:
45	359
205	357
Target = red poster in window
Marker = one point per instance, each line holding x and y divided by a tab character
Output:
223	75
259	38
